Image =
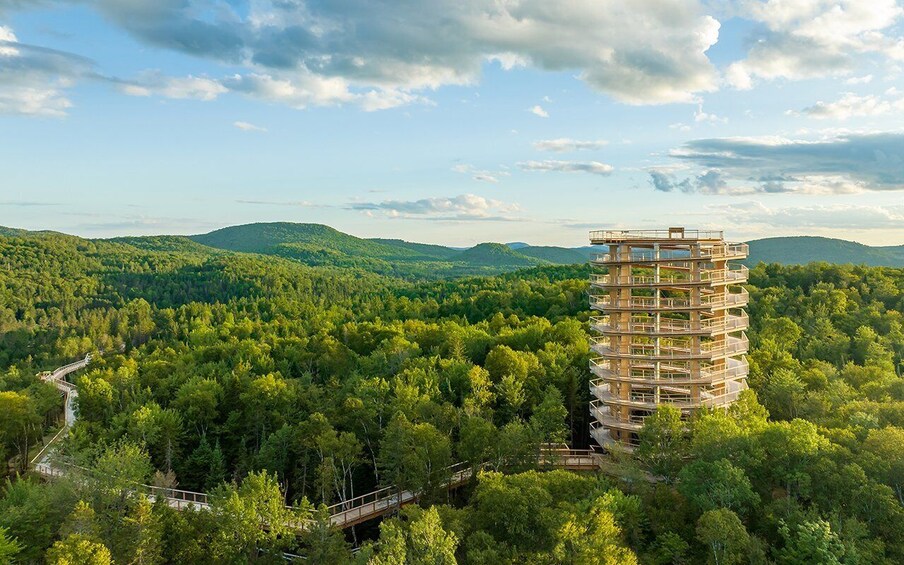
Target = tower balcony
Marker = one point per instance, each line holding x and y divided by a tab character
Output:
647	325
734	274
719	252
705	351
680	397
602	414
711	301
670	374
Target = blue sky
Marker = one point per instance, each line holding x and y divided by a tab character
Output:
454	122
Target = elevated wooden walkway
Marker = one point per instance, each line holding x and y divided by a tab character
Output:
343	514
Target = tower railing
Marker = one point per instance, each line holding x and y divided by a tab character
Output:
603	345
720	252
647	303
624	235
639	324
733	369
736	273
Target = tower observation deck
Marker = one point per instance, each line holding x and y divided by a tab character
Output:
668	328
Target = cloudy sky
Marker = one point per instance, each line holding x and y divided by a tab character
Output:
454	121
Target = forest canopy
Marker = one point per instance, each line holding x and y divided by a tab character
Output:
264	382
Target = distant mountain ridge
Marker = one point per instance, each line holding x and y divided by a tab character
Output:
806	249
317	244
321	245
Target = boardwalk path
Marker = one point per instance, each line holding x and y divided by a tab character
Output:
344	514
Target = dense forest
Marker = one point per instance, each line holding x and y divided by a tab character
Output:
266	382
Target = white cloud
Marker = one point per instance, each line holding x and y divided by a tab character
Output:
814	38
866	79
564	144
840	217
637	51
153	83
465	207
7	39
480	175
245	126
844	164
701	116
34	80
305	89
539	111
851	105
594	167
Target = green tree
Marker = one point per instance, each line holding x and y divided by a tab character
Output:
323	542
592	538
783	331
811	542
252	520
664	442
783	393
414	457
78	550
719	484
725	537
514	509
548	419
886	446
422	542
476	439
198	400
429	543
9	546
668	549
18	422
146	532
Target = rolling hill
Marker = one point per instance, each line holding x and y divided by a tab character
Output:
497	254
320	245
559	255
316	244
806	249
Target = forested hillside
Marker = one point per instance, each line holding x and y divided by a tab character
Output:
319	245
264	381
804	249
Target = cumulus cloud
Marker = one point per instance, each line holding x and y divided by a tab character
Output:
465	207
865	79
539	111
245	126
564	145
851	105
701	116
814	38
710	182
34	80
479	174
844	164
302	89
638	51
154	83
594	167
831	217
